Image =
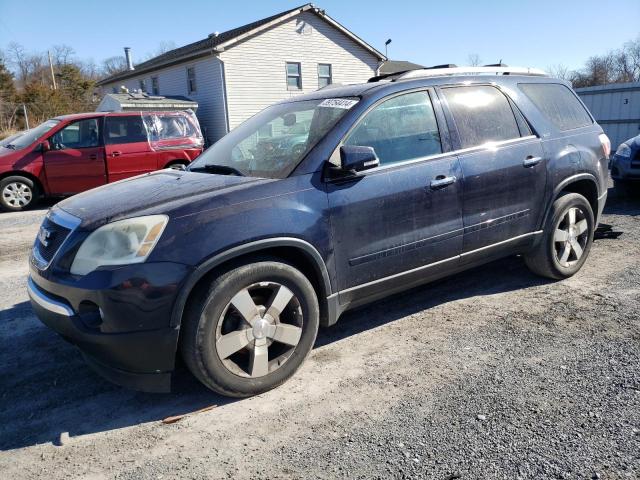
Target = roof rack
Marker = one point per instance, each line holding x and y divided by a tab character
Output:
437	72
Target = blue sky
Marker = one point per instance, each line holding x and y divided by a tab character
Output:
530	33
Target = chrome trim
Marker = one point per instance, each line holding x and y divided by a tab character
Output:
512	239
47	303
59	217
64	219
439	262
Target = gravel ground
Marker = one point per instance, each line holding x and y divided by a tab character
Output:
493	373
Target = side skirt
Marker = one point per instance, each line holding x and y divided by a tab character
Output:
368	292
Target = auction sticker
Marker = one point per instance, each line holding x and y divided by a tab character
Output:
338	103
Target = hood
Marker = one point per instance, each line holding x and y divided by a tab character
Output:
8	155
164	191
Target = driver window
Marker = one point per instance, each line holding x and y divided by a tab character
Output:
401	128
80	134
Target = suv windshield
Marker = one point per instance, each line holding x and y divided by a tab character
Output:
273	142
32	135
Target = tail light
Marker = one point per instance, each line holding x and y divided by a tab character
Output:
606	144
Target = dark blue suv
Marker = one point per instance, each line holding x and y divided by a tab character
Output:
238	260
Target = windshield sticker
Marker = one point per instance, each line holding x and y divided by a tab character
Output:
338	103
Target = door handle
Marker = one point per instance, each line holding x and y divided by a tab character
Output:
93	156
531	161
115	154
441	181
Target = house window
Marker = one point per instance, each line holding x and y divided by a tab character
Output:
324	75
191	79
155	87
294	76
142	84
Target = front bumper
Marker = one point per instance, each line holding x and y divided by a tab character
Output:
625	168
119	319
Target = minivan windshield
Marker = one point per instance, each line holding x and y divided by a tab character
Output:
32	135
273	142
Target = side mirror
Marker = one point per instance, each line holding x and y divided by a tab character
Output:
355	158
45	146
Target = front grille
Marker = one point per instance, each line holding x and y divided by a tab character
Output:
49	240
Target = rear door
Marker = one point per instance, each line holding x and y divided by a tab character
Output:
127	147
75	162
503	166
404	214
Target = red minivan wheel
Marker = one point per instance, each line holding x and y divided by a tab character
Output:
17	193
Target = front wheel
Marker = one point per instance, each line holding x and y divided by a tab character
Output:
566	240
17	193
251	329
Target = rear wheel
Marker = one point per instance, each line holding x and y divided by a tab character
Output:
17	193
251	329
567	239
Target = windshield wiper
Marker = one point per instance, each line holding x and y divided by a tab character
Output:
10	145
213	168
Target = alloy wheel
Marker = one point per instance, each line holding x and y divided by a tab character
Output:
259	329
571	237
17	194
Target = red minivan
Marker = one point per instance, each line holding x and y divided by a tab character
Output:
73	153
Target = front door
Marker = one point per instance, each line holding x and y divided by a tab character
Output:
127	147
503	165
75	162
404	214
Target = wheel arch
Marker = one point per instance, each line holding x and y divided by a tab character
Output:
176	161
21	173
295	251
584	184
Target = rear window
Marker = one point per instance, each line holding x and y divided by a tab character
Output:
482	114
558	104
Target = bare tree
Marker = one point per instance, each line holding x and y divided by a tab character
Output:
113	65
560	71
62	55
474	60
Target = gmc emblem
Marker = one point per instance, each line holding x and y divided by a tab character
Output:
43	236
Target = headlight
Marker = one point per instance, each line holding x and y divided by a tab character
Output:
119	243
624	150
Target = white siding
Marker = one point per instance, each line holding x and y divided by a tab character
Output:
255	68
173	81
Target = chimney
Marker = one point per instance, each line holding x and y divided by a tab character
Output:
127	55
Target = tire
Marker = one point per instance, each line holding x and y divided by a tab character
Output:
18	193
623	188
550	258
226	352
176	165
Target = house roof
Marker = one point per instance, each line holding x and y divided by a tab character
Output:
222	40
393	66
144	100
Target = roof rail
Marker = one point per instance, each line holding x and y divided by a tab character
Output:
437	72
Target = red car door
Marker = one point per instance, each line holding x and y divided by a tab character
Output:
76	161
127	147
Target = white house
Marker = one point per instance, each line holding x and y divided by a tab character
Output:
234	74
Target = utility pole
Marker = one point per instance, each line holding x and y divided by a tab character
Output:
53	77
26	117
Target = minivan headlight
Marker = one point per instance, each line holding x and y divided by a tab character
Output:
624	150
119	243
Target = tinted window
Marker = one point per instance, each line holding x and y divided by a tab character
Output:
482	114
81	134
402	128
558	104
127	129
